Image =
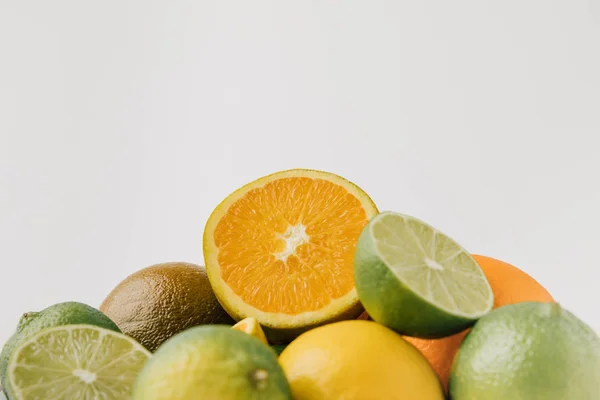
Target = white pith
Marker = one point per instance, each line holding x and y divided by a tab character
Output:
293	237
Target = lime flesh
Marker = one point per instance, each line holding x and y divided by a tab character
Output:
416	280
66	313
75	362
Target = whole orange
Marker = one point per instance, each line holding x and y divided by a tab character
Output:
509	284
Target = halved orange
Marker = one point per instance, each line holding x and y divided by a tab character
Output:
281	250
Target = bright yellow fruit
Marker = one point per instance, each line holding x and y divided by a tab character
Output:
358	360
281	250
251	327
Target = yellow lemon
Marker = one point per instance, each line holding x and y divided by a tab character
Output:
357	360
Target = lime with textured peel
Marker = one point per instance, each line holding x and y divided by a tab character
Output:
251	327
75	362
509	284
67	313
528	351
416	280
212	362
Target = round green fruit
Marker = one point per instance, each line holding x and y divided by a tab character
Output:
416	280
67	313
528	351
72	362
212	362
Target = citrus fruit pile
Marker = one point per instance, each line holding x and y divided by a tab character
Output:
309	292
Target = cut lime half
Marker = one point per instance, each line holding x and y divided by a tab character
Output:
75	362
416	280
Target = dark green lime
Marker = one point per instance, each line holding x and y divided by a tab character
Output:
279	348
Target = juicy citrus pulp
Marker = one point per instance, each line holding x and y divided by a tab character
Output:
65	313
251	327
416	280
280	249
509	284
75	362
357	360
212	362
528	351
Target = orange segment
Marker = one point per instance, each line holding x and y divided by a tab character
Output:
284	246
252	328
303	232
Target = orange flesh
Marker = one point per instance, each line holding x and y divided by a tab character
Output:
288	247
242	327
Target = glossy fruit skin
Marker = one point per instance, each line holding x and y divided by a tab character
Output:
157	302
440	353
66	313
212	362
509	284
357	360
390	302
528	351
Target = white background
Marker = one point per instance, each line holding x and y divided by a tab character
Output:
123	124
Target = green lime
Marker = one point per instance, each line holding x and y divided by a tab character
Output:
75	362
212	362
279	348
416	280
67	313
528	351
